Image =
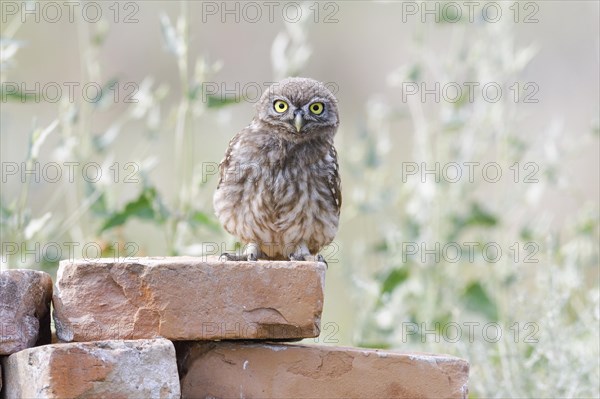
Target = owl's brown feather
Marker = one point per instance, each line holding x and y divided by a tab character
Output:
279	189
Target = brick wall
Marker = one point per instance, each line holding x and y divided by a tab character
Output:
193	328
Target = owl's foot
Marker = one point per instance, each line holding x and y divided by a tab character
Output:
320	258
251	253
309	258
238	258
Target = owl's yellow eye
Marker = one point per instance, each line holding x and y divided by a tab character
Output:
316	108
280	106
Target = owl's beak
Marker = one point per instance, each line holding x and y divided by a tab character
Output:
298	120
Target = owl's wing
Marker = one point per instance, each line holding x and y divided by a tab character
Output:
333	179
226	162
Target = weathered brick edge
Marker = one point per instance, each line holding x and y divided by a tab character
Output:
234	369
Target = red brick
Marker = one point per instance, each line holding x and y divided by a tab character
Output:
24	309
111	369
261	370
185	298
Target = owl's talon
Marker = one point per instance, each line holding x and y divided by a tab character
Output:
252	258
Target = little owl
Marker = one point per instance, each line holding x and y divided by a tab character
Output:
279	188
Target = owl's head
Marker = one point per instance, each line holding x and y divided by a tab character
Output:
299	108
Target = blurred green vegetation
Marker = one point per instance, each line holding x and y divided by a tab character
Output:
547	311
526	320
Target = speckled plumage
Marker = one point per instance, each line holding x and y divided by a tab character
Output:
279	189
